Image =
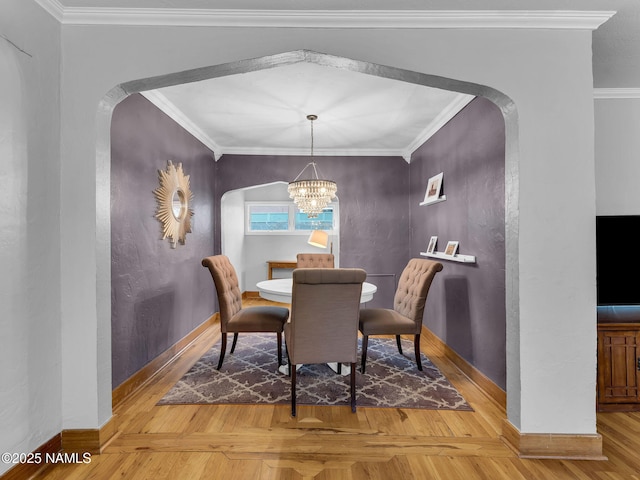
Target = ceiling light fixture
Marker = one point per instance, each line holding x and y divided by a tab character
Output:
312	195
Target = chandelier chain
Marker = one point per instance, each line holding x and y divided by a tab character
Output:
312	138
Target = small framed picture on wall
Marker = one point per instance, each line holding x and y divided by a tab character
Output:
431	248
452	249
434	187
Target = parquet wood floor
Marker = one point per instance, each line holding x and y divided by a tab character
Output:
330	443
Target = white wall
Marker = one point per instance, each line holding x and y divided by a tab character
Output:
232	226
30	367
617	147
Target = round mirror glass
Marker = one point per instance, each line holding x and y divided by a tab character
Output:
178	204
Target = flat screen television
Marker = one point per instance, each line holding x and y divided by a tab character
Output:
617	260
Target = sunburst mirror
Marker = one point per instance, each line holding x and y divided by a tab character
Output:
174	199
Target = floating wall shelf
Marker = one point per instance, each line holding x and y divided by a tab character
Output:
455	258
441	198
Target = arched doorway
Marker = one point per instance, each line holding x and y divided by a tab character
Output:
252	250
505	105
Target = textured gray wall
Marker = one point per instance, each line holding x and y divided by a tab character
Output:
466	304
159	294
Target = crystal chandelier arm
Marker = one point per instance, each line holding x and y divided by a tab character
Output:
307	166
315	170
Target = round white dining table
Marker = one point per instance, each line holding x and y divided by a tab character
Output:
279	290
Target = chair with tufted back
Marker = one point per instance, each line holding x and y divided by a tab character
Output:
234	318
315	260
408	308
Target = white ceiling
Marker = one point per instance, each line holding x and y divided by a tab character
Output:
265	112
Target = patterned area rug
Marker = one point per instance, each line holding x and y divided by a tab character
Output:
249	376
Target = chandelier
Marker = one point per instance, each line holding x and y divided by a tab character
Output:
312	195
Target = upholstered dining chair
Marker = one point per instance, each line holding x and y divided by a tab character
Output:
315	260
235	319
408	308
323	326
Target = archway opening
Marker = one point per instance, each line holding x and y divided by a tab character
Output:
250	249
511	173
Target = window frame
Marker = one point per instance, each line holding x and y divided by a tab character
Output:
292	210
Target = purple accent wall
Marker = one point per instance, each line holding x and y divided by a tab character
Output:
158	294
466	306
374	207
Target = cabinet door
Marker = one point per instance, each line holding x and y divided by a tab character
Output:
618	368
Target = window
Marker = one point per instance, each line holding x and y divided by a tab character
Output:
268	218
284	218
324	221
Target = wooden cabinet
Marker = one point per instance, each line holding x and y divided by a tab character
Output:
618	367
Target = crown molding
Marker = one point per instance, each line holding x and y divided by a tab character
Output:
612	93
437	123
173	112
54	8
318	152
528	19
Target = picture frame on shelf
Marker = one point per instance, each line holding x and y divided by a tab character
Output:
434	188
452	249
431	248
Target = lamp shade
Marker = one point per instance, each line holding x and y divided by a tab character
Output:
319	238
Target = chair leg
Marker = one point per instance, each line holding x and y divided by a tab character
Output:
279	349
399	342
363	362
223	349
235	340
292	372
416	343
353	387
286	351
